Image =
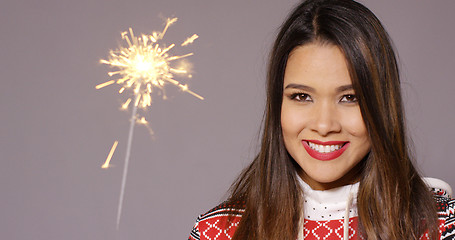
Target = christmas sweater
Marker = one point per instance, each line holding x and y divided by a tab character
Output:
323	215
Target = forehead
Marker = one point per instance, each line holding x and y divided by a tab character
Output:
317	63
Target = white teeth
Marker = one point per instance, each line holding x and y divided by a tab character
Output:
324	148
327	149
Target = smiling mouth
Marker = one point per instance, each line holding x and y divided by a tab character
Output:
325	148
325	151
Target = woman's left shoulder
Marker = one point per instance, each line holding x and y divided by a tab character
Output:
442	193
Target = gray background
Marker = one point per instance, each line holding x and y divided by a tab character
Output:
56	129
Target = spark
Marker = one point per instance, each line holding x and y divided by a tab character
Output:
104	84
125	105
108	159
142	121
142	65
190	40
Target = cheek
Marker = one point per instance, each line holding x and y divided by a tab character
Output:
291	123
353	123
357	129
358	133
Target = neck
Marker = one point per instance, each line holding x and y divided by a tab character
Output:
351	177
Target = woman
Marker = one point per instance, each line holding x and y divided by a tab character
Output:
334	160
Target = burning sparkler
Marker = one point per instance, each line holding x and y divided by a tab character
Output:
143	66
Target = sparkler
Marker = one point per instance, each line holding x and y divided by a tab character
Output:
143	65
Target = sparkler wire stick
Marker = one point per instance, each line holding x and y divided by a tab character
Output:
127	159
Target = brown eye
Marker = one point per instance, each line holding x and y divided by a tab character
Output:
349	98
301	97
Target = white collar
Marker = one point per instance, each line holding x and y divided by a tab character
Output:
323	205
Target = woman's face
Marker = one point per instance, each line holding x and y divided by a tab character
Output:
322	125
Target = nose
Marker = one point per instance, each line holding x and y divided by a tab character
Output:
325	120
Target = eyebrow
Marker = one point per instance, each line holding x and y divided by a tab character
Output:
344	88
308	88
300	86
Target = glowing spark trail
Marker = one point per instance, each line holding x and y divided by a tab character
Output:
104	84
190	40
108	159
143	65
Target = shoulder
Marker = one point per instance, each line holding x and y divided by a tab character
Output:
442	194
446	213
218	223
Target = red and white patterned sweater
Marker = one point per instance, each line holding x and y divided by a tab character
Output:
323	219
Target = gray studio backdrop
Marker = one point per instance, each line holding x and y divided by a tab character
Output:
56	129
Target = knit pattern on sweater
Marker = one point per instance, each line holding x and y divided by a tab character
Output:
221	222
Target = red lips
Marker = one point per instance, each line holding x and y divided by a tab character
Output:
325	156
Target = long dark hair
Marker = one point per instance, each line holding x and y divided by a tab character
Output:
393	201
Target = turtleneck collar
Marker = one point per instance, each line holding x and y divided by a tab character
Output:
323	205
